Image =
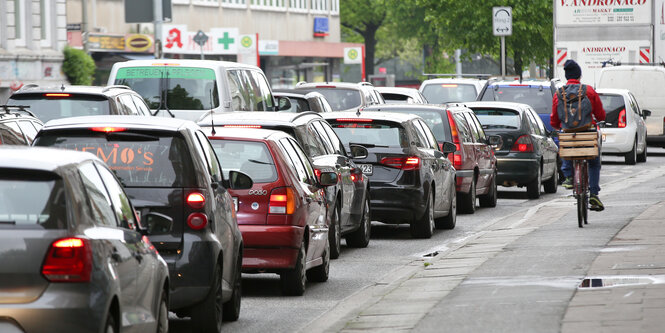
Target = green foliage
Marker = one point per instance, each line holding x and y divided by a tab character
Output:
79	67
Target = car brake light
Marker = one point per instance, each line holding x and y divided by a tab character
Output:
197	221
523	145
57	95
243	126
68	260
107	129
449	85
196	200
282	201
622	118
457	155
404	163
353	120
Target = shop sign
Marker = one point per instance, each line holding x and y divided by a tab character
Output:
268	47
321	27
179	40
603	12
120	43
248	50
353	55
139	43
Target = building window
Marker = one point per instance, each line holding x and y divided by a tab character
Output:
214	3
269	4
46	28
234	3
20	31
180	2
334	7
319	6
298	6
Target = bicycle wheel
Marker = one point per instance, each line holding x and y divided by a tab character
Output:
580	210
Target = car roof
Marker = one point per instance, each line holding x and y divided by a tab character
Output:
89	90
259	118
134	122
332	85
7	112
633	68
388	116
474	81
405	106
40	158
612	91
296	93
523	83
244	133
496	104
213	64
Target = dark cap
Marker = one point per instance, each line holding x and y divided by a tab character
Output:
572	69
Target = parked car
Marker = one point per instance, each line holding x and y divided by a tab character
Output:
411	180
399	95
168	167
625	131
301	102
57	102
451	90
528	154
18	126
344	96
186	88
73	249
474	159
348	202
281	217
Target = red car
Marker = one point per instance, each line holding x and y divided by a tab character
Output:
282	217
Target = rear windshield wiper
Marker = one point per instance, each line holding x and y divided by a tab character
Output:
129	136
259	162
368	145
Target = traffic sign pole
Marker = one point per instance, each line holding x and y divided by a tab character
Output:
502	25
157	10
363	77
503	57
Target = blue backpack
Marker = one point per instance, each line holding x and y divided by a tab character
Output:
574	108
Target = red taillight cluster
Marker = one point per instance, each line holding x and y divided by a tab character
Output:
455	157
68	260
523	145
282	201
404	163
57	95
622	119
196	220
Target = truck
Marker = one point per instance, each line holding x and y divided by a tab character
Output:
599	32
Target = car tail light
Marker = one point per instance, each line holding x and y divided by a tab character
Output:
57	95
353	120
68	260
404	163
107	129
243	126
622	118
196	200
356	175
282	201
197	221
456	157
523	145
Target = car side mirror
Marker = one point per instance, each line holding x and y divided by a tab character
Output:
448	147
358	151
495	141
328	179
157	223
646	113
283	103
239	181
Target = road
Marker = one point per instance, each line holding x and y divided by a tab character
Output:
554	252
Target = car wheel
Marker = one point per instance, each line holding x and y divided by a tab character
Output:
110	326
360	238
449	221
232	306
335	233
207	316
163	315
424	226
551	185
489	199
533	188
293	281
320	273
643	156
631	156
467	201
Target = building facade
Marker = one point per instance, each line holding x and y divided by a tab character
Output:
32	38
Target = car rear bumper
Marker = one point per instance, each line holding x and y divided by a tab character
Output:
270	247
392	204
516	170
617	141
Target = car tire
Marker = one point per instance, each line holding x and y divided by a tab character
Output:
424	226
449	221
335	233
293	281
207	316
489	199
163	314
467	201
642	157
360	238
320	273
533	188
631	156
232	306
110	326
551	185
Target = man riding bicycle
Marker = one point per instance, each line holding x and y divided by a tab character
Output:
563	117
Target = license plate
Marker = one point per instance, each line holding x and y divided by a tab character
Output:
235	203
604	138
366	168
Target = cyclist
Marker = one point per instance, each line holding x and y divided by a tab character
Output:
573	74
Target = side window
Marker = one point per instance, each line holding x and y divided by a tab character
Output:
141	107
429	135
295	160
309	169
264	88
239	98
308	140
462	127
29	130
121	205
319	127
371	99
10	134
539	122
211	157
479	126
98	199
251	90
532	121
126	105
325	105
475	132
338	146
634	105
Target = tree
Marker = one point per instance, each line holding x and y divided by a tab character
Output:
78	66
364	18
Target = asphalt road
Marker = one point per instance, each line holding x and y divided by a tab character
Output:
264	309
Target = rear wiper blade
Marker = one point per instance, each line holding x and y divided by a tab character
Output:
259	162
129	136
368	145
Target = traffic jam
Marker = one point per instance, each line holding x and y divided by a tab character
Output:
154	196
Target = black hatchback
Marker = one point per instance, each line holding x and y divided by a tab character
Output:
411	179
168	167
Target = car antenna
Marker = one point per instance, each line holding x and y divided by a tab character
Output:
166	101
161	95
212	113
62	87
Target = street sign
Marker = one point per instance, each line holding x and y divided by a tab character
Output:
502	21
200	38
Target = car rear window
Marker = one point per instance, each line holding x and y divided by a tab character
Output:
613	105
498	118
538	97
139	159
433	119
250	157
47	106
367	131
449	92
297	105
188	88
340	98
32	199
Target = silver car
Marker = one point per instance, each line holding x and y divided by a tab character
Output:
73	257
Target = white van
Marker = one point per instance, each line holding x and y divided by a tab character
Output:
190	88
647	84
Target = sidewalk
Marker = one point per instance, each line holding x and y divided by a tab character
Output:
629	280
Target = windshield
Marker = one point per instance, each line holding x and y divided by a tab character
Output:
538	97
449	92
32	199
62	106
252	158
340	98
498	118
137	159
380	134
188	88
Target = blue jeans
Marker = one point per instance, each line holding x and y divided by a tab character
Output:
594	173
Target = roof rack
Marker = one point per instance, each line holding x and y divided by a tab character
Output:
453	75
116	86
17	109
